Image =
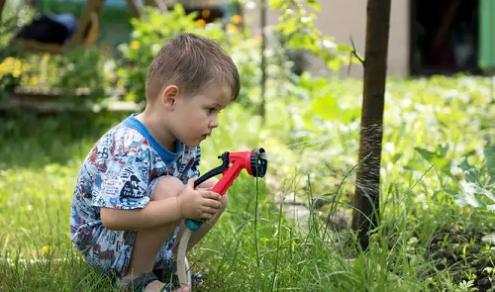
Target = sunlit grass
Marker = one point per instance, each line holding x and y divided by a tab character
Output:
254	246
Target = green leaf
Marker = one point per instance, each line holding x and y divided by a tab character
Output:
465	165
489	238
467	200
314	5
437	158
489	152
474	195
426	154
472	175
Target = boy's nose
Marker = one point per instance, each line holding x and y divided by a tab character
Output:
213	123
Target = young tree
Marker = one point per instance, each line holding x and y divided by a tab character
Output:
2	4
367	192
262	108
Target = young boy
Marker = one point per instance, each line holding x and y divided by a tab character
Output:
135	188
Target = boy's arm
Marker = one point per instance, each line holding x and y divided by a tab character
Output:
190	203
154	214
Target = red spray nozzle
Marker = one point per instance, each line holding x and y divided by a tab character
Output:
254	162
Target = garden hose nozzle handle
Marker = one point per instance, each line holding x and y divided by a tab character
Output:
254	161
193	224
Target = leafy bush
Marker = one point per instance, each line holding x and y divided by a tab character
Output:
86	71
149	34
477	188
152	30
76	71
297	29
14	15
425	241
10	75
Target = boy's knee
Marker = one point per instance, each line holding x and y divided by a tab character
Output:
166	187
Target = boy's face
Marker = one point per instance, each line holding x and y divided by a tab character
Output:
196	115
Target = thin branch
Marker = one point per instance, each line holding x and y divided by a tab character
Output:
354	51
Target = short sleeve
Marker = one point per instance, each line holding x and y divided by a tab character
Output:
188	164
122	182
194	170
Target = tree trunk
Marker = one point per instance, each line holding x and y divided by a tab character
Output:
2	4
367	192
262	108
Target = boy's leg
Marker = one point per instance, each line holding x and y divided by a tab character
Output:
148	242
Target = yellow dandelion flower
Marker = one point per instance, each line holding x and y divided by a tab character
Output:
200	22
236	19
134	45
7	62
16	72
45	249
11	66
231	28
205	13
5	66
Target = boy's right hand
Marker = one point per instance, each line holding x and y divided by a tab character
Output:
198	203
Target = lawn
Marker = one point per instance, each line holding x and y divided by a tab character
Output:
438	142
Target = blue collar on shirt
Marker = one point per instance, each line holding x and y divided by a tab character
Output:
166	155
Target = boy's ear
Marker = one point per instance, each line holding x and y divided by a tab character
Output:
169	96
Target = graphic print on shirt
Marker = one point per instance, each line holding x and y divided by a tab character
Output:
117	173
131	188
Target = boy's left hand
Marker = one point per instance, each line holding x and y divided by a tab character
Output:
209	184
223	199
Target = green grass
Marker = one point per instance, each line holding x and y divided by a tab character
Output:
424	241
38	170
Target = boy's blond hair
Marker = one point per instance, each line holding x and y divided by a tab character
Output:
190	62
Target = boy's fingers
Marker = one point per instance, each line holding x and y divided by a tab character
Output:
206	216
203	189
210	211
211	195
213	204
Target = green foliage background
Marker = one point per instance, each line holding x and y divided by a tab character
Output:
437	191
436	138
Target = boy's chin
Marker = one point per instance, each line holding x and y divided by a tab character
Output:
192	144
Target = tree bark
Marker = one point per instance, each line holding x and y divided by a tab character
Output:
135	8
2	4
157	3
367	191
262	106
